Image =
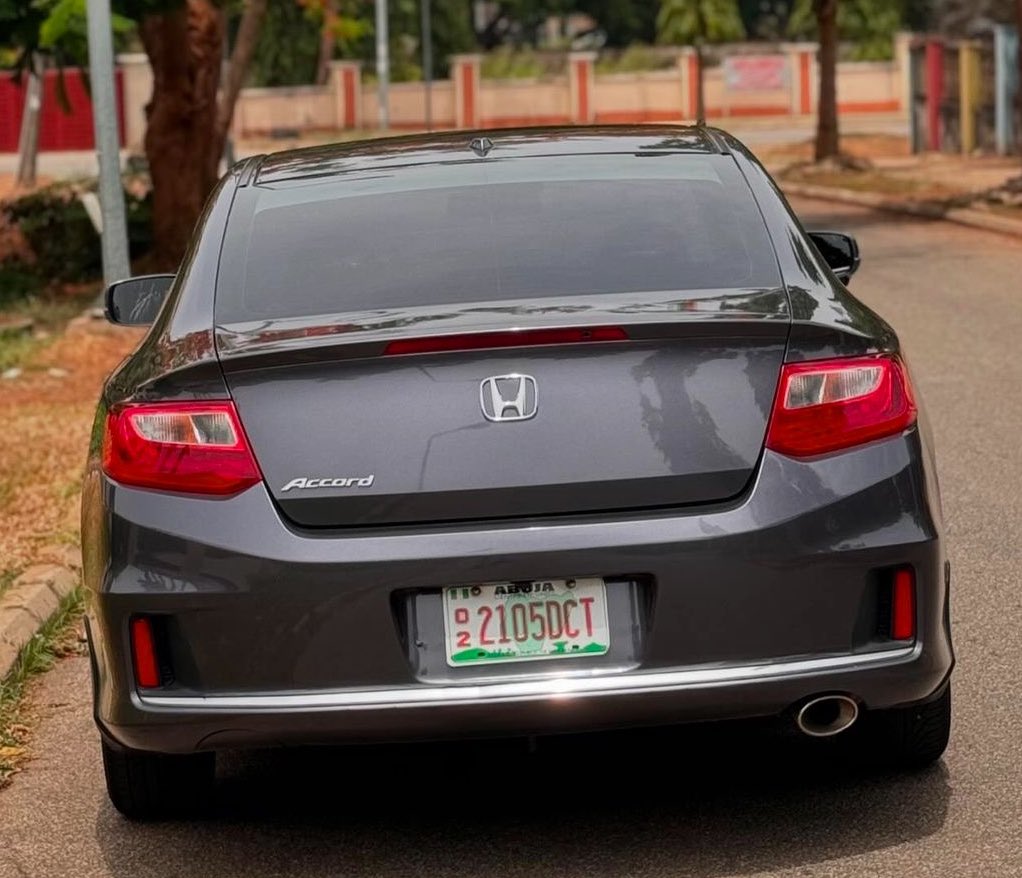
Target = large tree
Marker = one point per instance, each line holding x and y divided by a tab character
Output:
189	115
828	135
696	23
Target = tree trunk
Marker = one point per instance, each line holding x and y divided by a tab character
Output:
184	48
828	143
237	69
186	124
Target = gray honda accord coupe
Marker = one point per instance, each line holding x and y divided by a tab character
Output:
507	434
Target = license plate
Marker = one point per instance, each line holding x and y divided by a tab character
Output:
525	621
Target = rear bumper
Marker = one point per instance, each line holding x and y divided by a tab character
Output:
187	724
282	637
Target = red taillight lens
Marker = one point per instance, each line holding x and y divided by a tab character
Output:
143	653
196	448
903	604
830	405
523	338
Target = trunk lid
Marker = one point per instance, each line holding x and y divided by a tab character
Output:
346	435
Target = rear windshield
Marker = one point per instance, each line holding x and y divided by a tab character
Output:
493	230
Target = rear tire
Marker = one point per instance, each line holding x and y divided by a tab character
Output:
908	738
143	785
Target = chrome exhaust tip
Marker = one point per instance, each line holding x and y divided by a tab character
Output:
827	715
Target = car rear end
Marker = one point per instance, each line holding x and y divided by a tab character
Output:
505	444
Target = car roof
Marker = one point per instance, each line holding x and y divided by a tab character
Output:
424	149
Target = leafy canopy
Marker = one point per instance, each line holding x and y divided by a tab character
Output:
682	22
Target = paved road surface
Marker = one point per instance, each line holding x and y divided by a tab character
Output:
695	803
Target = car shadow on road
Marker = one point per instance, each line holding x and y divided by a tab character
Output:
702	801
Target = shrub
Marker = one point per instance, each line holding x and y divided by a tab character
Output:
507	63
637	58
64	245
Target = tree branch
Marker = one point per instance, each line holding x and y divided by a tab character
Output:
237	69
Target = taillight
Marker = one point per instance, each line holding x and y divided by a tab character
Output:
195	448
829	405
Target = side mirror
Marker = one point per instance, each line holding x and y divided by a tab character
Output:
137	300
839	251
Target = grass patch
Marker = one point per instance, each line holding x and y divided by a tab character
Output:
57	638
876	182
7	577
17	349
49	313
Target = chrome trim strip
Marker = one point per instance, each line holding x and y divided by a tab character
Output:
524	690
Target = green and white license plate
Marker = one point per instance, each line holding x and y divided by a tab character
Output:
525	621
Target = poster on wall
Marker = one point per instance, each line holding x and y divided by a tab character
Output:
756	72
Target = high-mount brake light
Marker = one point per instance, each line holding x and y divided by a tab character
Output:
519	338
187	447
831	405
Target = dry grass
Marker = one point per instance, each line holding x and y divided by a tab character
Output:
875	181
867	146
47	420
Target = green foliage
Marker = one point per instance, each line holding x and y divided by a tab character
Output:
54	27
64	30
288	48
18	281
508	63
63	242
685	22
635	59
867	26
624	21
766	19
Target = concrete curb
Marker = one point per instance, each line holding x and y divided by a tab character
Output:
33	597
965	216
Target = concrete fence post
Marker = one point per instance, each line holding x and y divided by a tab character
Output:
582	86
346	85
466	70
802	76
688	71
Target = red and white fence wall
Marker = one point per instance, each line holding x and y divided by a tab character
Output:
61	127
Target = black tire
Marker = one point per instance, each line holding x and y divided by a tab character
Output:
143	786
908	738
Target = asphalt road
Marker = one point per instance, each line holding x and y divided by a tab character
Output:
699	802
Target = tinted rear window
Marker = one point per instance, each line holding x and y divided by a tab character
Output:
493	230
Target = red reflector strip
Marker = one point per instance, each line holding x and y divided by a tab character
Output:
521	338
143	652
903	605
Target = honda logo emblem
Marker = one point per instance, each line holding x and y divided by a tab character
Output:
509	397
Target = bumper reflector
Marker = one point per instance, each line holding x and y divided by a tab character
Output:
143	653
903	605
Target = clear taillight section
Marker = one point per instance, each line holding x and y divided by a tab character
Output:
195	448
831	405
